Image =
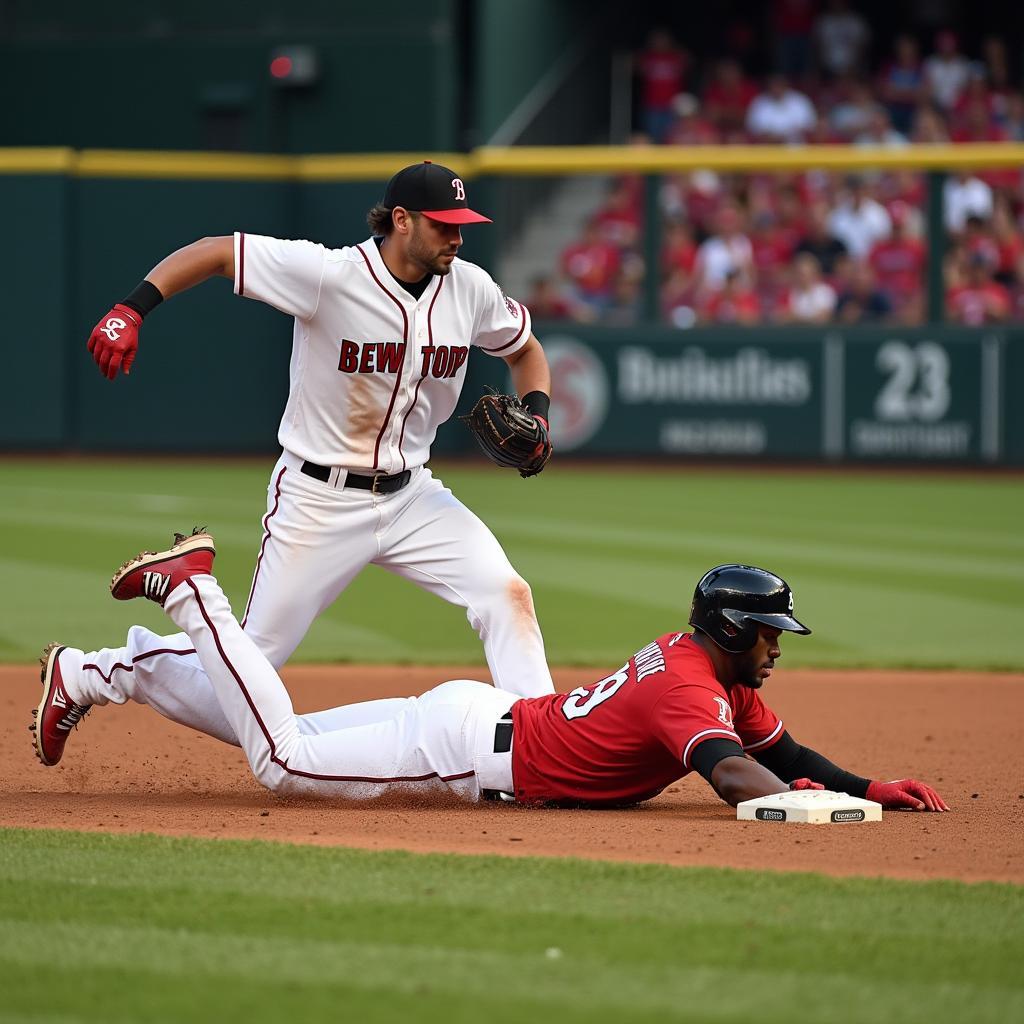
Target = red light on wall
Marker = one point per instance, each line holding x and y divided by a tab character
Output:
294	67
281	67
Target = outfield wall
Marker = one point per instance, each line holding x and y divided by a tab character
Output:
928	394
212	370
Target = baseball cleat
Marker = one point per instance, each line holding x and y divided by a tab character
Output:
57	713
154	574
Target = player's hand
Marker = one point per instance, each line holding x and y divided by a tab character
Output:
542	452
906	794
805	784
115	340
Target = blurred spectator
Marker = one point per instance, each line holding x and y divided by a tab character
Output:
903	186
547	301
946	71
688	127
820	243
899	262
780	114
809	300
859	221
973	117
929	125
625	305
1009	244
727	250
793	26
861	301
678	249
977	239
662	68
620	218
772	251
978	300
727	99
678	299
591	265
963	195
791	213
879	131
1013	121
851	107
842	36
997	74
901	83
733	303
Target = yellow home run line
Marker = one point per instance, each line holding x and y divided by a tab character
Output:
515	161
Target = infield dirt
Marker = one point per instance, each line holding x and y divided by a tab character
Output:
129	770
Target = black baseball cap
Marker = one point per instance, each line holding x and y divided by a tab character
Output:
434	191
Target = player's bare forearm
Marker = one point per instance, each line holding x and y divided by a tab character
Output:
529	369
193	264
736	779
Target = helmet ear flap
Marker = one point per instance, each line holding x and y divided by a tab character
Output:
742	628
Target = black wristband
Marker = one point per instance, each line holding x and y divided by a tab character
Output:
789	760
538	404
143	298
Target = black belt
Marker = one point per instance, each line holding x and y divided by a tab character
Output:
502	745
503	734
379	483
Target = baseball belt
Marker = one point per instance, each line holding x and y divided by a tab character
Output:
379	483
502	745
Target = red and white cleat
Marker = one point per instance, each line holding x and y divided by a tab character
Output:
154	574
57	713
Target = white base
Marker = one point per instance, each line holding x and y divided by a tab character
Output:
810	807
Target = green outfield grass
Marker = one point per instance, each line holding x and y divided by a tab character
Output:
890	570
105	928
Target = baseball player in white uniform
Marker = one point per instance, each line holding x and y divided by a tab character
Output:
382	334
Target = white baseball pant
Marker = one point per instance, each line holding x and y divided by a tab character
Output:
316	538
442	741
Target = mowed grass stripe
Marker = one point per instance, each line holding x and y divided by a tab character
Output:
611	554
545	984
144	919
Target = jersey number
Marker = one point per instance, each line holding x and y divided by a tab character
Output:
581	701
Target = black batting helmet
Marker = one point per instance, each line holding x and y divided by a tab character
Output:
730	601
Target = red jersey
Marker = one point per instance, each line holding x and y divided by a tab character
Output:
899	265
974	306
732	308
626	737
592	266
663	73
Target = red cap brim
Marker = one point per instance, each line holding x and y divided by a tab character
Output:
457	216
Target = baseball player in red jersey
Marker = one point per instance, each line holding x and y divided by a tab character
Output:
685	702
382	333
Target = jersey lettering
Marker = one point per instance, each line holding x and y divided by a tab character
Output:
443	360
581	701
371	357
648	661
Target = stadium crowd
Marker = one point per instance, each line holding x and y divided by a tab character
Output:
814	247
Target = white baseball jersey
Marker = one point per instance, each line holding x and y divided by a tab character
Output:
374	370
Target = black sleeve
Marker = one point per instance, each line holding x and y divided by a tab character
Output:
710	752
789	760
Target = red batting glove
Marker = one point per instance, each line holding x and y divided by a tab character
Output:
115	340
907	794
805	784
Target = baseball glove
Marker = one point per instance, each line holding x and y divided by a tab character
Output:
509	434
